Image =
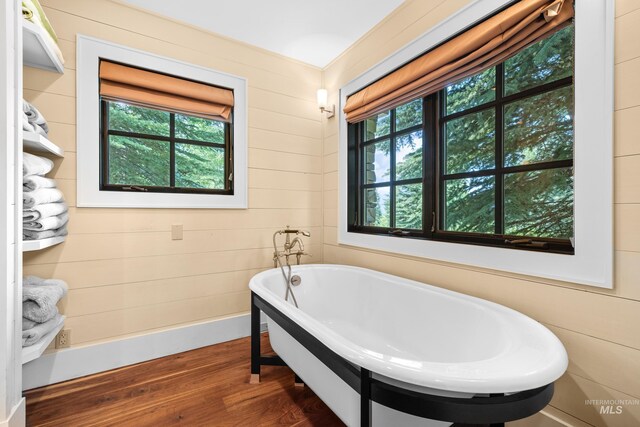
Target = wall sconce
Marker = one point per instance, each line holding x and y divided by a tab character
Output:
323	103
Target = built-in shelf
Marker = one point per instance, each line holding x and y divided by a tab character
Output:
37	49
32	141
34	351
36	245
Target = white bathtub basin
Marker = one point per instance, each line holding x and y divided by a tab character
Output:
421	336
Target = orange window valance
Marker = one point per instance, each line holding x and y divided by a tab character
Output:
159	91
480	47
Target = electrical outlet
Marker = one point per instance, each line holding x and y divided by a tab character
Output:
63	339
176	232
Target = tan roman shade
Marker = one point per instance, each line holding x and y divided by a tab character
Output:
482	46
148	89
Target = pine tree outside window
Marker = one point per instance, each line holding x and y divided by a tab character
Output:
487	160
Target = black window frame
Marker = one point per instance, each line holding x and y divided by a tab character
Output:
106	132
434	177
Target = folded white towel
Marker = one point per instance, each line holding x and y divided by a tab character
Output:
32	335
34	116
40	131
28	324
26	125
46	234
43	211
40	197
35	165
40	296
50	223
33	182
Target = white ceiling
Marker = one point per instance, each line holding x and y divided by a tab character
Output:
315	32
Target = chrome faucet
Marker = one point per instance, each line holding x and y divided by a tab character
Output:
289	246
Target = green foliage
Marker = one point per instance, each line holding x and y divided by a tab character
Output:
536	129
470	142
530	196
545	61
470	205
471	92
146	162
136	161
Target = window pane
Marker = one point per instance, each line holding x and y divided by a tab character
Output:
199	166
470	142
409	156
377	126
408	115
543	62
137	161
470	92
197	129
377	203
409	206
377	162
539	128
470	205
129	118
539	203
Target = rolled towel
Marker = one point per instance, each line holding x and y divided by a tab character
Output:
34	116
43	211
35	165
33	335
32	11
46	234
50	223
40	197
34	182
40	296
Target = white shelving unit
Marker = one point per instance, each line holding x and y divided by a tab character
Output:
34	351
37	49
35	142
36	245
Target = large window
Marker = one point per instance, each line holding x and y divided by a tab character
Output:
146	149
488	160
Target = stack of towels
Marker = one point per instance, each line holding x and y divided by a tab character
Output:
39	310
33	120
45	214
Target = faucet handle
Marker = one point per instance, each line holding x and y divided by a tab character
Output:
300	254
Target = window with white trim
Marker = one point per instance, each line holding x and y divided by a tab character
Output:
174	136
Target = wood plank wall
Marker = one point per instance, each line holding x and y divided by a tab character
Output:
598	327
126	275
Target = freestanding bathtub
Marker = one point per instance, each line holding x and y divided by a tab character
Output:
386	351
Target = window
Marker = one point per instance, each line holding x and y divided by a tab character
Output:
145	149
156	132
487	160
592	174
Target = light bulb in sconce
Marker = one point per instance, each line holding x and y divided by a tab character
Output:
323	103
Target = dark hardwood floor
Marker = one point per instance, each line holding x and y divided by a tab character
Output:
204	387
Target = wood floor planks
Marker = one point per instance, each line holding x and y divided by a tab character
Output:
204	387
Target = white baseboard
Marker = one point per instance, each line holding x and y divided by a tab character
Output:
17	417
77	362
